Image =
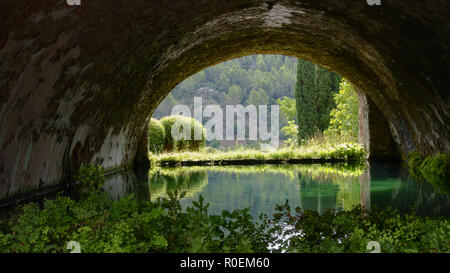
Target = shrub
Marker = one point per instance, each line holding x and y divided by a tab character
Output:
187	141
156	136
344	118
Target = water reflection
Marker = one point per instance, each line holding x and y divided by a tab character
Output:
316	187
190	181
120	184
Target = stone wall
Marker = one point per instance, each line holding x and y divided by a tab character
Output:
375	133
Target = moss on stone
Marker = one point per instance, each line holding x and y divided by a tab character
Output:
433	169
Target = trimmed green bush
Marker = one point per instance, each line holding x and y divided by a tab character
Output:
187	141
156	136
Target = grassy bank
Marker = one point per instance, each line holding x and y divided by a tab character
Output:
348	152
289	170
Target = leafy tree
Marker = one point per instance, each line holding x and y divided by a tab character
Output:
258	97
234	94
261	63
344	118
291	133
287	108
223	82
288	120
275	74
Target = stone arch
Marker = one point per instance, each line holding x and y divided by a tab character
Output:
78	83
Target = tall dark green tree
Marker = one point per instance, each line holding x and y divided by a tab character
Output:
314	93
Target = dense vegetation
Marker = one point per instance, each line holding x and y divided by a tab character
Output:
288	114
350	152
256	79
307	94
344	118
352	230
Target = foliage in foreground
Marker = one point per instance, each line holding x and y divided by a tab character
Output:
352	230
127	225
434	169
344	118
288	112
101	225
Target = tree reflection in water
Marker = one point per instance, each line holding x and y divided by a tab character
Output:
312	187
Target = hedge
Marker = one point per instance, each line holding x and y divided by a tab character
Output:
186	142
156	136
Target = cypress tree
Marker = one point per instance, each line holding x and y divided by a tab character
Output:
314	92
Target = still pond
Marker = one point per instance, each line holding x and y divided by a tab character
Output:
261	188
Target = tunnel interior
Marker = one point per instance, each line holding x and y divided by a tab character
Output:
78	84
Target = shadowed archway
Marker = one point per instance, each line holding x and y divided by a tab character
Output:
78	84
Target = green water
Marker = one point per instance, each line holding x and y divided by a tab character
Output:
261	188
